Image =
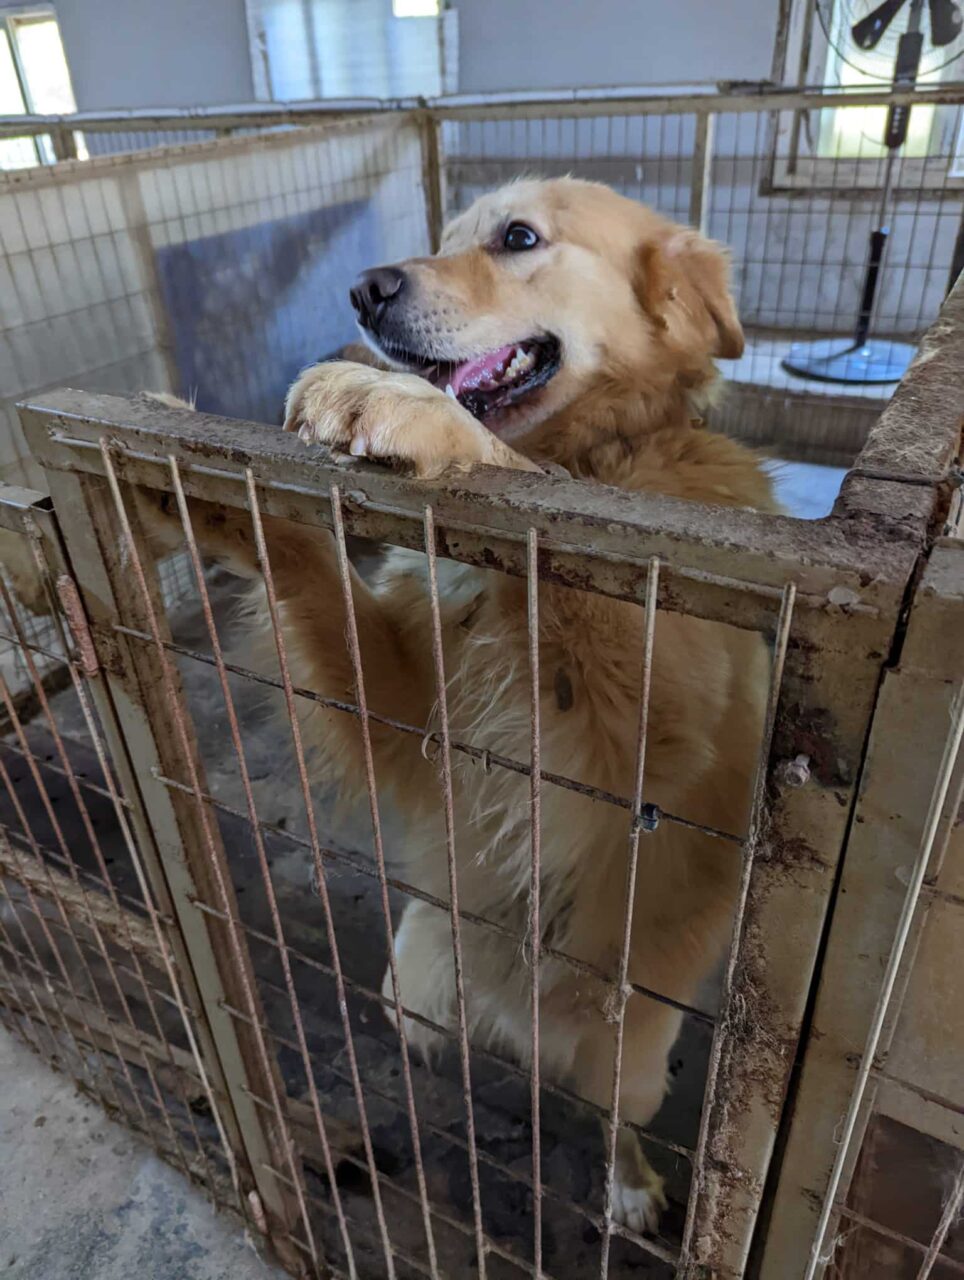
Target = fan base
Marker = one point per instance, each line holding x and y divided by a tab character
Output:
878	360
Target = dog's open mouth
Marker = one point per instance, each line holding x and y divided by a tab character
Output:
490	383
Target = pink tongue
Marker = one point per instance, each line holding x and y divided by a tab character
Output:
472	372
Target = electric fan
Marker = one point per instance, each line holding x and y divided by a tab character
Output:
868	37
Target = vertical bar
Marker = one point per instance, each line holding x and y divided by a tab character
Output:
942	784
354	649
321	878
139	717
702	178
624	990
262	856
240	971
432	177
441	695
732	994
64	143
534	924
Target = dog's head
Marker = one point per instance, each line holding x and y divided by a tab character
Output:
548	291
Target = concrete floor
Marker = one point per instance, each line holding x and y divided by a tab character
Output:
84	1199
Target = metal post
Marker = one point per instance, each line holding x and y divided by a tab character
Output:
702	172
433	177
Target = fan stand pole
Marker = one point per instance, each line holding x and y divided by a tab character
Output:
870	360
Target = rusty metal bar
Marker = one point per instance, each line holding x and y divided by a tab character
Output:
264	867
36	913
137	719
534	920
385	1002
483	755
354	650
591	536
39	528
448	806
623	989
314	844
61	907
359	863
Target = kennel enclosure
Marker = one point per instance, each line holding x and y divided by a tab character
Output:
205	969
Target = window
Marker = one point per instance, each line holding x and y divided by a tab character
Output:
34	79
415	8
348	48
859	132
826	148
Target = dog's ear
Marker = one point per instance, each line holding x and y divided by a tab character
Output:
683	284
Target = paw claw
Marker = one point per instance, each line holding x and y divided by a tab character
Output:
358	447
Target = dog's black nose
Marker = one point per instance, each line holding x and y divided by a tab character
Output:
373	291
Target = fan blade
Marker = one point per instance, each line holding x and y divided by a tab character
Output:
868	31
946	22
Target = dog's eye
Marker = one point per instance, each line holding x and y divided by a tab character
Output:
518	237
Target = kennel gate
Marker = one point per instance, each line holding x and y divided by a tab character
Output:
177	1011
829	597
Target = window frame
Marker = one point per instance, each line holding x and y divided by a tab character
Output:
801	46
12	16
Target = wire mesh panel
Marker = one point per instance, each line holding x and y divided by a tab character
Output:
438	1143
204	270
87	975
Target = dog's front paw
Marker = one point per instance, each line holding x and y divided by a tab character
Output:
639	1205
373	414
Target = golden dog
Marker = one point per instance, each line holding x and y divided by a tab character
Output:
560	324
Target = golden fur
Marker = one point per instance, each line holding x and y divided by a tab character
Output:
640	307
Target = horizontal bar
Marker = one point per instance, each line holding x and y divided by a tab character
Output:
630	100
515	1175
723	563
359	863
487	758
102	886
85	783
898	1237
15	504
652	1247
376	997
125	928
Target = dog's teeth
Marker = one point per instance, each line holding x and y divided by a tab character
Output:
449	391
358	447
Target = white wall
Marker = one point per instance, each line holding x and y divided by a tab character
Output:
156	53
551	44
